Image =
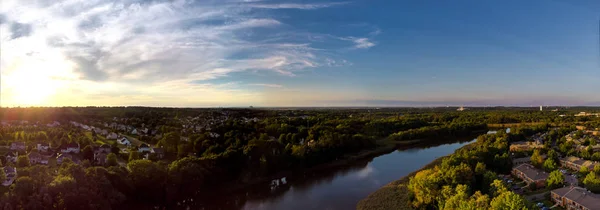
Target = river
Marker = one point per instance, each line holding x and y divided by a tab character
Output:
333	189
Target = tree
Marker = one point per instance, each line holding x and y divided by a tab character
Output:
508	201
596	156
536	158
88	153
111	160
553	155
2	175
24	187
550	165
593	142
555	179
584	170
134	155
597	169
148	179
23	161
480	168
592	182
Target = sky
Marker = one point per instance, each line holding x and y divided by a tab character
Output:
221	53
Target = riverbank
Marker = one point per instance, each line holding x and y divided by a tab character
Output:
394	195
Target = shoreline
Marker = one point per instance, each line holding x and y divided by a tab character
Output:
394	195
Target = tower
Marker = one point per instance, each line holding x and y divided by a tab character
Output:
541	108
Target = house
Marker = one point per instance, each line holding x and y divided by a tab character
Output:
159	152
62	157
134	132
12	156
144	148
576	163
530	174
524	146
112	136
575	198
34	158
43	147
11	175
124	141
104	148
70	148
100	157
519	161
17	146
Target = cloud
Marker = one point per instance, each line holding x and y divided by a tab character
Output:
268	85
363	43
19	30
296	6
137	43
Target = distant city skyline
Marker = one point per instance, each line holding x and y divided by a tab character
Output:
287	53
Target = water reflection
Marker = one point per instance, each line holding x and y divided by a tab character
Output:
335	188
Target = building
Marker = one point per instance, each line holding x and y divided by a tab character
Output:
43	147
575	198
11	175
530	174
576	163
124	141
112	136
34	158
159	152
524	146
70	148
17	146
144	148
519	161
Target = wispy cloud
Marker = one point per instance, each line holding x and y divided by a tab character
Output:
137	43
296	6
268	85
359	42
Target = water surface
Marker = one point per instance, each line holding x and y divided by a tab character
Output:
339	188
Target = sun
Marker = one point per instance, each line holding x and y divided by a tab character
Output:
29	89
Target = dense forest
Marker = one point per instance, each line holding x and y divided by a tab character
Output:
208	149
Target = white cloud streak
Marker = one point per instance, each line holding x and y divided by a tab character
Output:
98	45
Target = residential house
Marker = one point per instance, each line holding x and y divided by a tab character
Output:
62	157
530	174
576	163
100	157
12	156
70	148
144	148
112	136
159	152
11	175
43	147
575	198
17	146
34	158
524	146
134	132
124	141
519	161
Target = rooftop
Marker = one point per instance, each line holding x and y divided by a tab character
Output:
532	172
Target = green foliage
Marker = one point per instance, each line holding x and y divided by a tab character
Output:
23	161
111	160
584	170
555	180
134	155
508	201
537	159
550	165
88	153
592	182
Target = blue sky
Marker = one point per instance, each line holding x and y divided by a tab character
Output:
300	53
